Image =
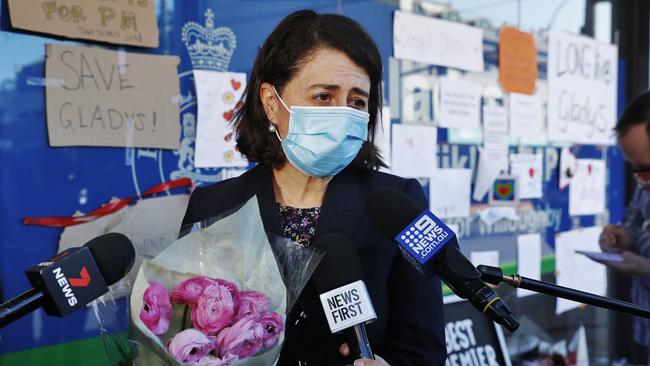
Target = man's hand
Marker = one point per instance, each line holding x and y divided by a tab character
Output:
614	238
632	264
345	351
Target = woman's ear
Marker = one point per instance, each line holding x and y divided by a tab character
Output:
269	101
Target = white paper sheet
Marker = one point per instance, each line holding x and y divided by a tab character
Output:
485	257
587	190
529	259
382	136
487	171
567	167
495	134
528	169
526	119
449	192
582	85
217	95
437	42
575	270
460	102
414	150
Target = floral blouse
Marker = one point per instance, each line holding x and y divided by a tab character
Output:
298	224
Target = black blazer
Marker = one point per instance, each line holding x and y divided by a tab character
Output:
409	327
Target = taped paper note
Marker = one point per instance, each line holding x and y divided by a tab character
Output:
575	270
529	259
414	150
449	191
587	190
112	98
218	94
437	42
528	170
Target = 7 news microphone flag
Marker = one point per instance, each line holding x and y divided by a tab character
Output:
73	278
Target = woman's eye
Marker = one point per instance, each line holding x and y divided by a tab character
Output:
324	97
359	104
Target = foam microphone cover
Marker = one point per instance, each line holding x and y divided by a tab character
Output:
391	211
114	255
339	266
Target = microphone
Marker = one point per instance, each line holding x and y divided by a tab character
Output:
431	247
344	297
73	278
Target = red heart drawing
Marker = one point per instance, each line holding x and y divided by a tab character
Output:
589	169
228	137
531	172
504	190
235	84
227	115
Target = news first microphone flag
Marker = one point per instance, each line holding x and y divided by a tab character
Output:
234	248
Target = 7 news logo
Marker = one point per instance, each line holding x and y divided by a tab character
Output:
67	283
425	236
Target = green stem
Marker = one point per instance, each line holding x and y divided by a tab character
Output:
184	317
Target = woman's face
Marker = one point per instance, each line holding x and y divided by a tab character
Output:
327	78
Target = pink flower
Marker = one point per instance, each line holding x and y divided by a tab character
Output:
273	326
189	290
191	345
232	288
214	309
252	302
156	311
210	360
243	339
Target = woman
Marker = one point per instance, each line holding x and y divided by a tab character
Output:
308	119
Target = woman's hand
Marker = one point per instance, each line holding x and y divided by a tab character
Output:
632	264
614	238
345	351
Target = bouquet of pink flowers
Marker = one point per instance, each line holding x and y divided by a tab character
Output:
218	296
227	324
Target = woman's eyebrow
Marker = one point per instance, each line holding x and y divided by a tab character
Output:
332	87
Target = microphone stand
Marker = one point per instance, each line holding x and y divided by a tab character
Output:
495	276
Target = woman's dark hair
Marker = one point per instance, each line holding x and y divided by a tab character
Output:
635	113
292	42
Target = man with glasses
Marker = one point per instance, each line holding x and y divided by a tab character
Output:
632	237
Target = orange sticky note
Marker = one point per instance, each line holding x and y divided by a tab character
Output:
517	61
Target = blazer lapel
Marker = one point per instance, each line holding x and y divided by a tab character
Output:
261	185
342	207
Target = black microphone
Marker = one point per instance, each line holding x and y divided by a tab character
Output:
431	247
73	278
338	279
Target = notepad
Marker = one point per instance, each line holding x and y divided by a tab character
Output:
602	256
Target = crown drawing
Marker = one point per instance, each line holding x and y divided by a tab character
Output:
209	47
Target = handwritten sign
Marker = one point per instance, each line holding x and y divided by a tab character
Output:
97	97
460	103
131	22
517	61
582	81
437	42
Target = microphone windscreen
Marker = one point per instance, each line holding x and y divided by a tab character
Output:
339	266
391	211
114	255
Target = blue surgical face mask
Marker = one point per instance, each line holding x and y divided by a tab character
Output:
323	140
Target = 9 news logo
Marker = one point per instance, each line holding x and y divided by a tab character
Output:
424	236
